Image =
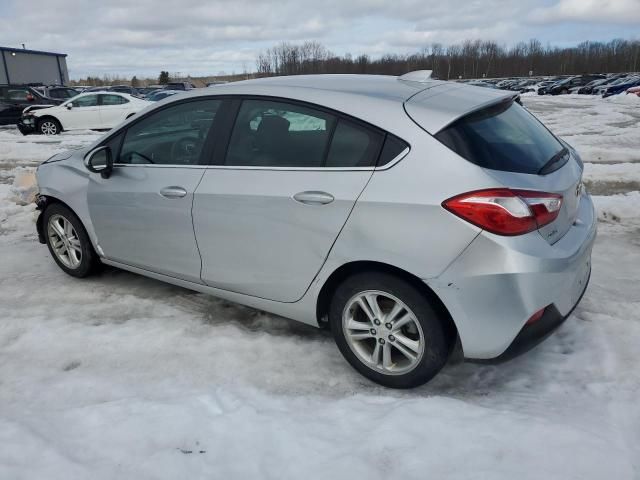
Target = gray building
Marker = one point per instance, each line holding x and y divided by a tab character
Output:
20	66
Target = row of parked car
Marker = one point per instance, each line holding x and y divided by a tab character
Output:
604	85
51	109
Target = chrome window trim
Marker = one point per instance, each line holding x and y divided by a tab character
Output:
400	156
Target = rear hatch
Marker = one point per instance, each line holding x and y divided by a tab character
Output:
511	145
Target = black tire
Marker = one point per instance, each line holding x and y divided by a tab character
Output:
565	91
49	126
438	339
89	261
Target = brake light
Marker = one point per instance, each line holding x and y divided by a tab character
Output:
504	211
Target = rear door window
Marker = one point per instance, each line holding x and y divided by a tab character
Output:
504	137
112	100
278	134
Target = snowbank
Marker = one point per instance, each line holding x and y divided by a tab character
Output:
602	130
622	208
25	186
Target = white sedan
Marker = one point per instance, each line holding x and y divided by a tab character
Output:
94	111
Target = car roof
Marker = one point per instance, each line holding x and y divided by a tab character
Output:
377	99
374	86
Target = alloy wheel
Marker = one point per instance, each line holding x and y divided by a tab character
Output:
383	332
48	127
64	241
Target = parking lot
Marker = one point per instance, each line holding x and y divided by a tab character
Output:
121	376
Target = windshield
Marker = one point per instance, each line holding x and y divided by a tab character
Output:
505	137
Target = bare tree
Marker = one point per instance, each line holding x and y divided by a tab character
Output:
470	59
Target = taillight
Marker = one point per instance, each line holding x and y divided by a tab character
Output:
504	211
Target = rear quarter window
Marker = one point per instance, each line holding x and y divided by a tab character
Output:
503	137
353	146
393	146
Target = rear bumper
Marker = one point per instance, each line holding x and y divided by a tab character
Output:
536	333
498	283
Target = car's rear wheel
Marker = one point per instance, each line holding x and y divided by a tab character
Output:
49	126
387	329
68	241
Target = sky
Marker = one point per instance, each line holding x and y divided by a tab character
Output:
142	37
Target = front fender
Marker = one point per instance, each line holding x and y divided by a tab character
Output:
71	174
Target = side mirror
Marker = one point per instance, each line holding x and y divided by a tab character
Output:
99	161
69	106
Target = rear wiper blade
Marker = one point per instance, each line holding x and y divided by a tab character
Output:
558	157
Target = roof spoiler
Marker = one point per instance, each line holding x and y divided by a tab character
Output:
417	76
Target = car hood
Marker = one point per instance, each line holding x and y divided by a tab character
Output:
44	110
32	108
79	152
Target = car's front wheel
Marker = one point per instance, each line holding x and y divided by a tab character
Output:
49	126
68	241
388	330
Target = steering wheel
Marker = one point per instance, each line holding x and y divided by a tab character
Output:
186	151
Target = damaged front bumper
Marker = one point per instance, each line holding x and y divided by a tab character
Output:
27	125
41	205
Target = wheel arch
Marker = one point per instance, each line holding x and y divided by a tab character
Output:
351	268
50	117
44	202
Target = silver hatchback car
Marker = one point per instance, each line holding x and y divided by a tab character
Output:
414	217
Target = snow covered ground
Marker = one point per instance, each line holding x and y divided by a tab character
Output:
120	376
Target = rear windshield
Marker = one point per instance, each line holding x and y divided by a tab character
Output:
505	137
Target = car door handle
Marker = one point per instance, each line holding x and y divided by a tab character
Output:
313	198
173	192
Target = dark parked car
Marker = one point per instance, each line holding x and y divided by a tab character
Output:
619	87
145	91
179	86
160	94
125	89
15	98
590	88
58	93
524	86
564	86
545	85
